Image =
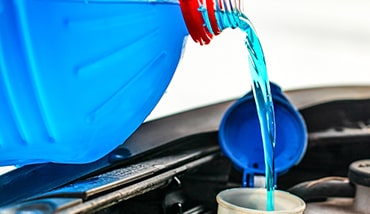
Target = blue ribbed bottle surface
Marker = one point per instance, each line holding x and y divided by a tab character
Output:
78	77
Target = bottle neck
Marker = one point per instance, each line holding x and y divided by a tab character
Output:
207	18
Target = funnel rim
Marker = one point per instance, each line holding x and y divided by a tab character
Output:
300	205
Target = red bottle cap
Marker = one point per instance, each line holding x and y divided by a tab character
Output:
194	20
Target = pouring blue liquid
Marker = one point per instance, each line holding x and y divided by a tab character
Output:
265	110
261	88
207	18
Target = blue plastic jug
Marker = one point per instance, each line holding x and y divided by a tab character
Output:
78	77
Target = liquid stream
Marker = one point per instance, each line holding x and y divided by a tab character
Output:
261	91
